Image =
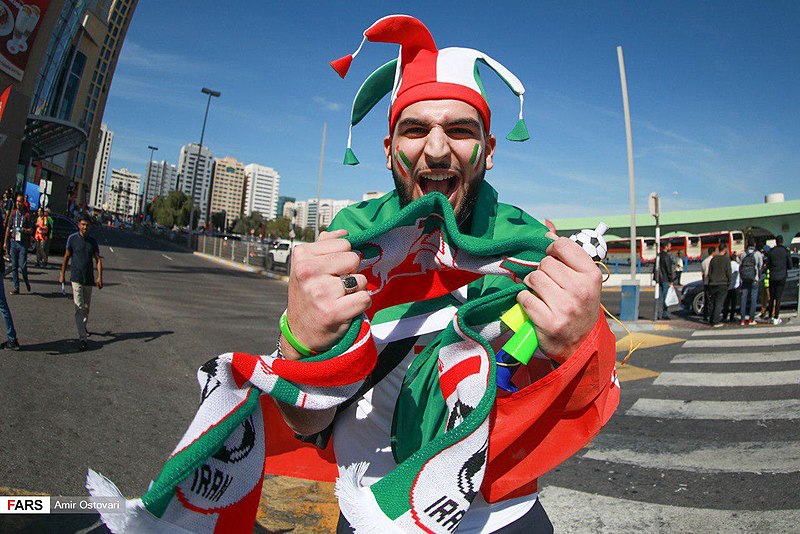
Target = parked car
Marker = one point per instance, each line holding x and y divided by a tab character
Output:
279	254
62	229
694	301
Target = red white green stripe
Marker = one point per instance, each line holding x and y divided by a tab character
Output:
474	159
403	163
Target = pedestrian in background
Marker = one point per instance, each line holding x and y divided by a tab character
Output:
42	236
52	225
19	230
82	251
779	261
664	277
706	296
11	342
719	280
729	308
680	266
751	264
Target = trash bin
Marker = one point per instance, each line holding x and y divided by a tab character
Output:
629	305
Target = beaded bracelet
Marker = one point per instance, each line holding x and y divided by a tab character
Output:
287	333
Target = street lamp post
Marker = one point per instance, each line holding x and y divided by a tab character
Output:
210	93
147	180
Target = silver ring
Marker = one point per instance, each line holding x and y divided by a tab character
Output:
350	284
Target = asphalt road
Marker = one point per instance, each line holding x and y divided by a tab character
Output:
671	459
121	406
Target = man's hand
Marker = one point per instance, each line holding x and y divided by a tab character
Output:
100	283
61	278
565	301
319	312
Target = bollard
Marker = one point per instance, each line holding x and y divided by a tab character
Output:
629	305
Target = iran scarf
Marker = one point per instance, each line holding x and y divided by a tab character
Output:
212	480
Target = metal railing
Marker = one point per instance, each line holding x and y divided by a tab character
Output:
244	252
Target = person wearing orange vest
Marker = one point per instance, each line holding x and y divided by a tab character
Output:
44	230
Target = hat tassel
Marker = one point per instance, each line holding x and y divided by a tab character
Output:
520	130
349	156
342	65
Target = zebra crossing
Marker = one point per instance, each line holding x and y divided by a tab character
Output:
712	444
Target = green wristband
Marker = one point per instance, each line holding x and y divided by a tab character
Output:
299	347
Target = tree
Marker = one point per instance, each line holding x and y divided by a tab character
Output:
252	222
218	221
308	234
172	210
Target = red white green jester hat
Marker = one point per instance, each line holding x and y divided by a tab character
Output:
423	72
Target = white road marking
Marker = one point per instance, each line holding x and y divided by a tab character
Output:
771	378
577	512
697	456
170	259
759	342
747	331
720	410
111	249
750	357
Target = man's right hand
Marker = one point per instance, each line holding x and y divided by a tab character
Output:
61	278
319	312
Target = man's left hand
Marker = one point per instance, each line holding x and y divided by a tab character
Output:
99	283
565	301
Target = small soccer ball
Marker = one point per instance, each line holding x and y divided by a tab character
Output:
592	242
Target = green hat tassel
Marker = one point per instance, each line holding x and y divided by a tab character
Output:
349	157
520	131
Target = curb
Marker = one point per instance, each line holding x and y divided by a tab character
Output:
243	267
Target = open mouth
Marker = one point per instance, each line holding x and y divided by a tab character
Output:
445	182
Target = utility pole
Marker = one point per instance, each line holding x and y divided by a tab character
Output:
629	309
147	180
319	179
210	93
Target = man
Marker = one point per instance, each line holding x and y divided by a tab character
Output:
82	250
704	268
439	140
664	277
779	261
11	342
19	230
729	307
719	280
751	264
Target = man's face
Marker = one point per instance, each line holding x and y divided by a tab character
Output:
83	227
440	145
20	202
668	246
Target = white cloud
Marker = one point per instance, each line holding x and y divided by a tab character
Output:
327	104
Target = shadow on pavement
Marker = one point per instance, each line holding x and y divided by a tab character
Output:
96	342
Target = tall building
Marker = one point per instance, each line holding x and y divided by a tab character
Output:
30	134
282	200
123	192
297	210
307	211
194	175
100	173
261	192
104	30
227	190
160	179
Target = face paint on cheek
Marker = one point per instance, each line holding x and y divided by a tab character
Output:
403	163
475	158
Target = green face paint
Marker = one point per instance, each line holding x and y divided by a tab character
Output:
476	153
403	162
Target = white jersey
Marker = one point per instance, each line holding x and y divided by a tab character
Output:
362	432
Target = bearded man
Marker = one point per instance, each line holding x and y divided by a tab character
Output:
440	141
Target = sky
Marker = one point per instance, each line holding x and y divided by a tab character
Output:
713	90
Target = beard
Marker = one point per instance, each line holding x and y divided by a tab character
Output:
405	191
